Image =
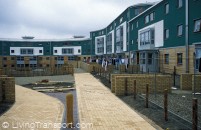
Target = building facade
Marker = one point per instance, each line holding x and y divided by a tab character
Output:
31	53
158	36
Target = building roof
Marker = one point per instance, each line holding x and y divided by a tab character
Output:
44	40
156	3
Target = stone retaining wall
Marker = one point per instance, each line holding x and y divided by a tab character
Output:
186	82
196	82
7	89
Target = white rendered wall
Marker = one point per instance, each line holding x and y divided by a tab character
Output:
158	31
124	24
17	51
96	52
75	50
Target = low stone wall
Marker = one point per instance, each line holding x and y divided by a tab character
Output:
133	69
26	72
122	68
113	79
186	82
76	64
86	67
7	89
196	82
162	82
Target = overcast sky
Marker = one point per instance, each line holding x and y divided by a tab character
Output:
50	19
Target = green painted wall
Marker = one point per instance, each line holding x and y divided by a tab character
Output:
194	13
47	45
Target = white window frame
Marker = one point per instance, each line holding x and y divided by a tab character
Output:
165	33
180	3
180	30
167	8
197	25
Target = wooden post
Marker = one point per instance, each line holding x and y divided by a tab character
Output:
195	114
134	91
69	109
126	87
147	96
166	104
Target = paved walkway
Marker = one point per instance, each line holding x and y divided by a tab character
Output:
32	110
97	105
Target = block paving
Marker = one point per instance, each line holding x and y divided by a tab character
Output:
99	106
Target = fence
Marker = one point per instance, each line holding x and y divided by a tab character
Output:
179	107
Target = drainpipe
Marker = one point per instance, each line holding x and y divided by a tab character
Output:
129	36
187	38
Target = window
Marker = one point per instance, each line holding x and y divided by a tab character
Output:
12	66
179	30
40	65
166	8
147	37
12	51
60	58
121	19
132	42
197	63
55	51
71	58
55	58
166	58
26	51
197	25
4	65
47	65
179	58
67	51
150	58
79	51
5	58
33	65
166	34
152	15
142	58
20	58
138	11
137	24
147	19
33	58
40	51
131	26
47	58
180	3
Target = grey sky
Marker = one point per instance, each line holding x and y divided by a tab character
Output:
45	19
